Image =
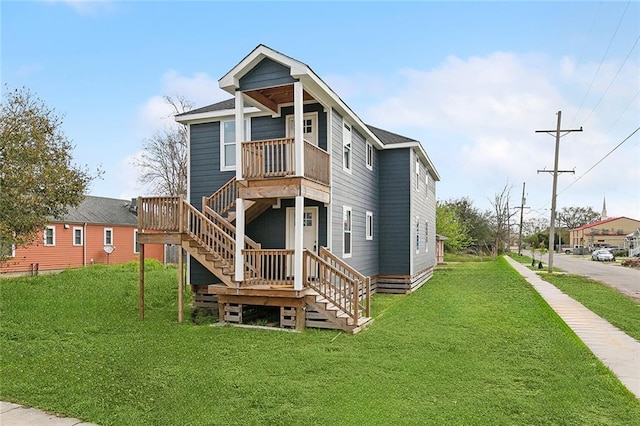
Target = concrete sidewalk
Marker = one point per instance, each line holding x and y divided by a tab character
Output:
618	351
17	415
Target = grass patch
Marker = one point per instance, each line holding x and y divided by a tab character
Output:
466	257
617	308
475	345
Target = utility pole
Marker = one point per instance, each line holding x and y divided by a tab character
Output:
552	230
522	207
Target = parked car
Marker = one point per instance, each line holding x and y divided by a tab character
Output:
602	255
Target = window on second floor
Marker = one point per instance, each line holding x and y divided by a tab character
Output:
49	236
7	250
346	225
369	226
346	148
369	156
228	143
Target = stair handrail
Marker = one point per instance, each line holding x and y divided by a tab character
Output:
209	235
224	198
228	227
364	281
348	303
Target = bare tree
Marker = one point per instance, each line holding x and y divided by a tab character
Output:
163	163
501	217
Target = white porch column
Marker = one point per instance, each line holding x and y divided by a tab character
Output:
239	259
298	113
239	133
298	279
240	136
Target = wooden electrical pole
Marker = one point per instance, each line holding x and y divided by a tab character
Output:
522	207
552	230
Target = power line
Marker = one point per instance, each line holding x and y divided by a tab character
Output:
600	160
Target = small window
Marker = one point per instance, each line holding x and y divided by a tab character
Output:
426	237
426	182
346	148
228	143
136	245
369	226
7	250
49	236
346	241
417	234
307	219
108	236
369	156
78	237
417	174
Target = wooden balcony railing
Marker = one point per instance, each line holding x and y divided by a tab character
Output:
268	267
275	158
364	283
223	200
159	213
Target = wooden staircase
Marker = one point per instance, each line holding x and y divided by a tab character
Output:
336	295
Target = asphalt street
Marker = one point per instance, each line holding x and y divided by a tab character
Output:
626	280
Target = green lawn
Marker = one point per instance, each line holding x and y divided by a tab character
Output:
475	345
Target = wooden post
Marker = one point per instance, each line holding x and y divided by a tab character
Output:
141	285
368	296
300	318
180	284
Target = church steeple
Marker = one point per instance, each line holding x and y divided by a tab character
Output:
603	215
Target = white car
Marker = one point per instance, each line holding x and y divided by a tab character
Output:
602	255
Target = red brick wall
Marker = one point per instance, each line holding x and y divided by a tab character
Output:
65	255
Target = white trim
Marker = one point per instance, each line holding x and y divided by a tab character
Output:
73	236
307	115
347	146
135	239
105	236
298	112
368	148
206	117
239	258
298	282
330	151
346	209
368	225
53	236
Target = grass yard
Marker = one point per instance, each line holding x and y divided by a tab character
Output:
475	345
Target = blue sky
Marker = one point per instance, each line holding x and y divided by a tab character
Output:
471	80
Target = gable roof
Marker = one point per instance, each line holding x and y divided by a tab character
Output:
218	106
389	138
101	211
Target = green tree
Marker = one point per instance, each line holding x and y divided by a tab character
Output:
449	225
476	223
38	180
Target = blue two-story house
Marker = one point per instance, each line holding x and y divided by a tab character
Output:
327	207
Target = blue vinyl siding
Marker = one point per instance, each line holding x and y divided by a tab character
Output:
273	128
267	73
206	178
360	191
422	206
395	212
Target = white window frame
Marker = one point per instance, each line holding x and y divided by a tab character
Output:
346	209
368	225
73	236
105	236
417	234
426	181
347	147
368	155
53	236
136	250
247	136
12	251
426	237
417	174
313	116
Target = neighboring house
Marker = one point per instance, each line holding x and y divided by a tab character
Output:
440	239
632	242
607	232
328	207
80	239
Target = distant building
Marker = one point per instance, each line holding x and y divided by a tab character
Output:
606	232
84	236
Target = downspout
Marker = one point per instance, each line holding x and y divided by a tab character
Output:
84	245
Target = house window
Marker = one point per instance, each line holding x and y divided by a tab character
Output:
307	219
426	182
7	250
346	225
417	174
369	156
346	148
228	143
309	127
136	245
108	236
78	237
369	226
417	234
49	236
426	237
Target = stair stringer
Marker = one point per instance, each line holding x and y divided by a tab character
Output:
334	315
209	261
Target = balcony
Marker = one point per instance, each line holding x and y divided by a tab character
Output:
269	170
